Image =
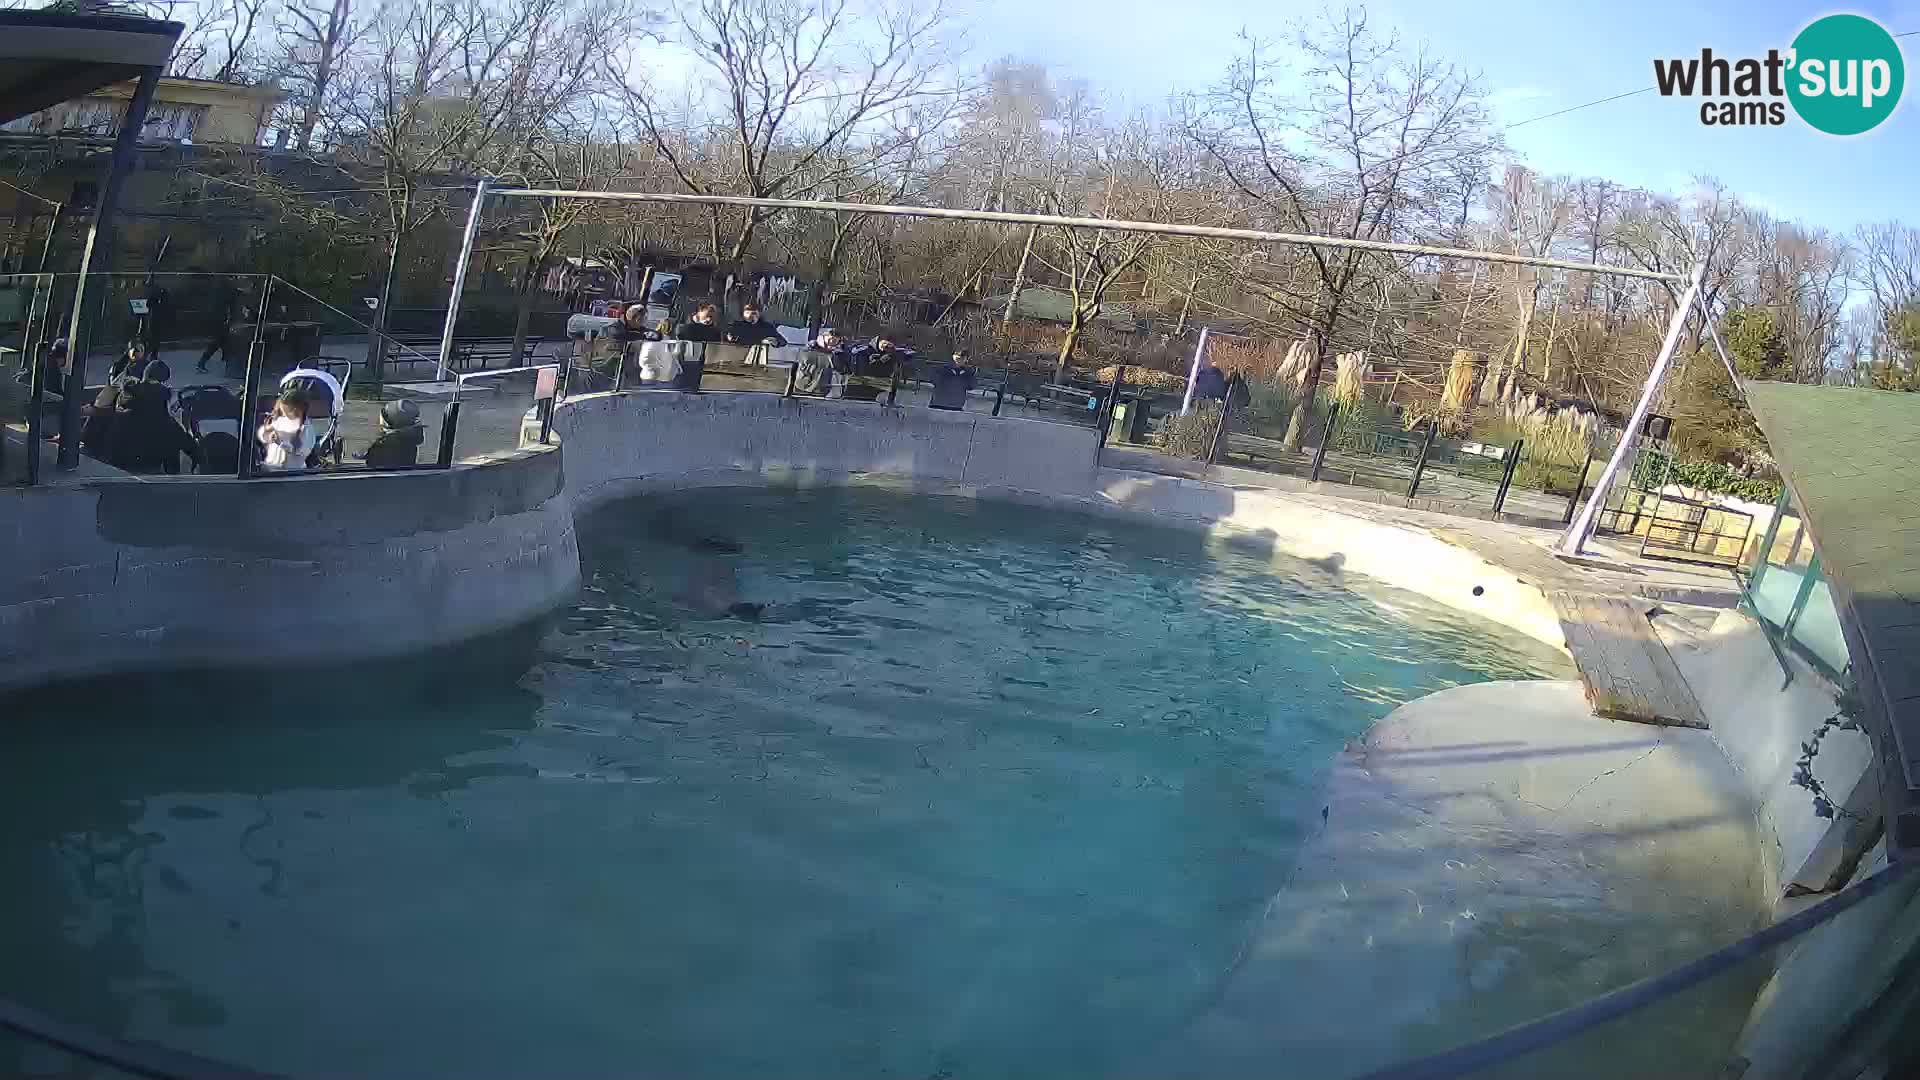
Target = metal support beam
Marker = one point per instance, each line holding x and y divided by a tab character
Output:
1101	224
1574	540
1193	372
1326	436
99	238
1420	463
250	386
1506	475
460	275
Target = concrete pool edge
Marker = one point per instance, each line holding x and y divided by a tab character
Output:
149	574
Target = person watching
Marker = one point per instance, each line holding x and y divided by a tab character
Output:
704	325
751	329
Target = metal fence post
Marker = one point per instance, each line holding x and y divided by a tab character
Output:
546	420
1000	393
1506	477
1220	432
1420	463
1326	436
893	384
793	376
250	385
1578	490
449	427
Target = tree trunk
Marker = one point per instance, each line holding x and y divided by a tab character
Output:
829	270
523	307
1553	332
376	333
1302	417
322	74
1019	278
1067	343
1520	341
1186	305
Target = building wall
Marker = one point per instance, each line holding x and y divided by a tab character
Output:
198	109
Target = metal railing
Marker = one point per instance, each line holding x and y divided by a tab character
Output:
230	342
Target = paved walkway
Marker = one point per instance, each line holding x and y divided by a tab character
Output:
1524	548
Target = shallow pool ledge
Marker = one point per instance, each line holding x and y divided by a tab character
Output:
1405	557
1487	854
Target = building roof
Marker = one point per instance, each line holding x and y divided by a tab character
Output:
1852	460
1049	304
48	58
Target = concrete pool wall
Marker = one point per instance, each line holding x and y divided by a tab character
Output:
625	444
150	573
114	572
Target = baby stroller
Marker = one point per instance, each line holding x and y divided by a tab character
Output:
326	406
211	414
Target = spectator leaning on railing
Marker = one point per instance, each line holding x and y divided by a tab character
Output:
703	326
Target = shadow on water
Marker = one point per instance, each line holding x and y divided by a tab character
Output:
86	763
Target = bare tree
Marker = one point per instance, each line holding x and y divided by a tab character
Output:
1889	273
1373	142
446	89
316	36
801	93
220	44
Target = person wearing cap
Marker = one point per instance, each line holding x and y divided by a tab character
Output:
401	433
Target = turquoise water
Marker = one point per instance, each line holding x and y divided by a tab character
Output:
822	784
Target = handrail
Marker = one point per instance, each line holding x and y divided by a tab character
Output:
139	1059
1466	1061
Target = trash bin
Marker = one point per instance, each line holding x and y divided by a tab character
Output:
1129	422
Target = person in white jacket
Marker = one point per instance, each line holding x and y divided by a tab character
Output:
285	434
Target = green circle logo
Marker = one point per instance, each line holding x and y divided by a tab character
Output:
1846	74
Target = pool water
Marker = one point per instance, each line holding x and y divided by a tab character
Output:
834	783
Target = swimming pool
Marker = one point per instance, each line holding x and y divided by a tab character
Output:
837	782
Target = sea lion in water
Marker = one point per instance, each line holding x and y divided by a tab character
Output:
711	588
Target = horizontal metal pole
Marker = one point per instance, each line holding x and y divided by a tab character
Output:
1208	232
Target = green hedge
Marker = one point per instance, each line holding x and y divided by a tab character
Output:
1711	476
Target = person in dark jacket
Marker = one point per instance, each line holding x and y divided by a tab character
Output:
879	357
704	325
146	437
1209	383
751	329
226	309
953	381
401	433
103	416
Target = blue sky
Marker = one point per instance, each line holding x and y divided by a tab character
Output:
1535	57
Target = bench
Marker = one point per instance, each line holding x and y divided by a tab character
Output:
469	353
